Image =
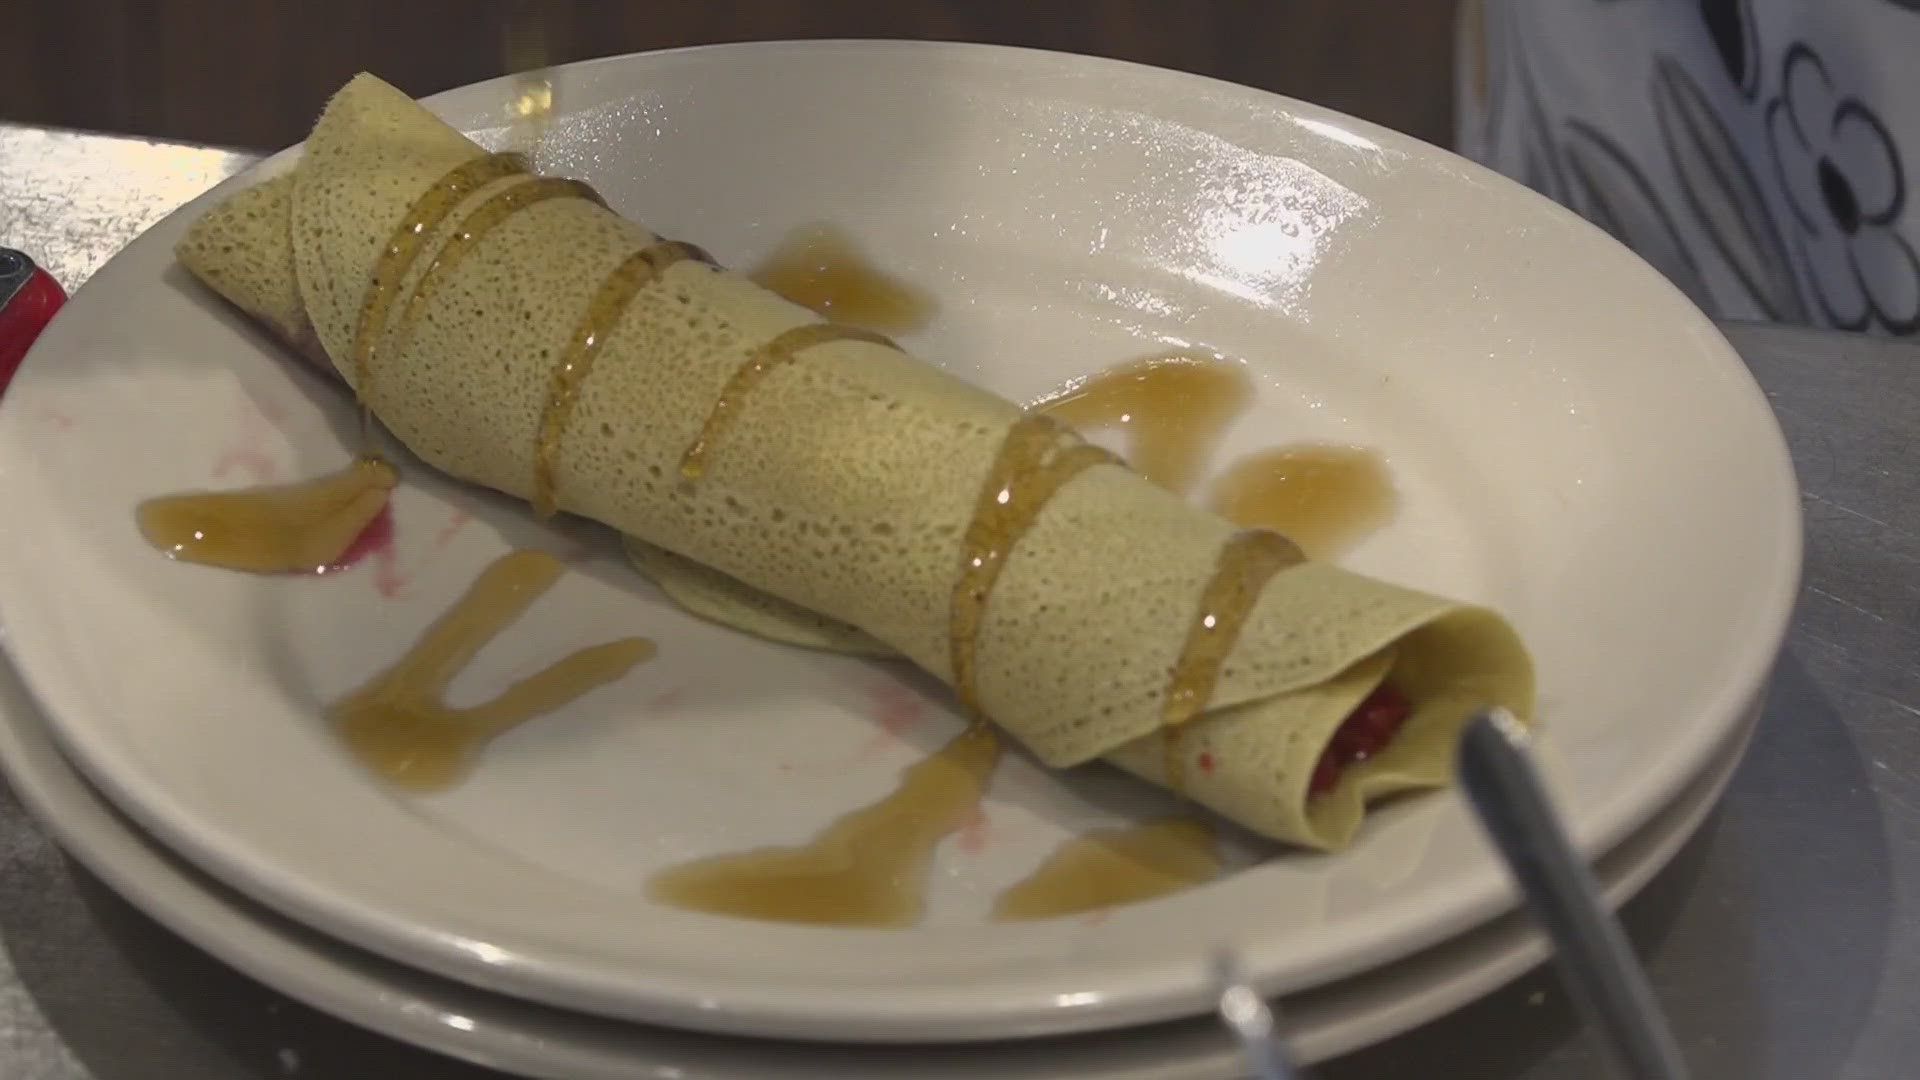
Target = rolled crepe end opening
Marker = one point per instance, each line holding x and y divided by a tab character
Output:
1449	670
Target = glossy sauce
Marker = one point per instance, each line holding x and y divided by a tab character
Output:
1173	408
1173	758
472	229
399	726
305	528
783	349
1115	866
1247	562
820	267
403	248
1324	497
870	868
1038	457
641	269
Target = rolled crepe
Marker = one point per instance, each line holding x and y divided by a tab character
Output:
842	482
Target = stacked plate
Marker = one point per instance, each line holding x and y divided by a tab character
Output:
1570	442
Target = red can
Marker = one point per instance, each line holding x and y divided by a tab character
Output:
28	298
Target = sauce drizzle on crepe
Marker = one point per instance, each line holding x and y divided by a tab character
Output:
1038	457
423	219
1247	563
472	229
576	363
784	349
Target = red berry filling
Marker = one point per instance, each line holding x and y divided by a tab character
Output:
1371	729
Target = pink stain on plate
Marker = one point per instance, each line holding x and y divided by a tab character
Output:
1096	916
376	538
896	709
388	580
249	460
667	700
376	544
57	420
248	454
456	521
975	833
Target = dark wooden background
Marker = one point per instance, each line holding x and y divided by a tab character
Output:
253	73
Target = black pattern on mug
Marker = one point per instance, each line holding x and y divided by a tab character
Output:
1724	195
1730	27
1540	167
1608	189
1846	183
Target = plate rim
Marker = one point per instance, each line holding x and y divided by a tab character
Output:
239	932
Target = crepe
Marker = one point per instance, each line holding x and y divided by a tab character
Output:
840	480
714	596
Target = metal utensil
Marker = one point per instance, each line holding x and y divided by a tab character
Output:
1251	1020
1601	975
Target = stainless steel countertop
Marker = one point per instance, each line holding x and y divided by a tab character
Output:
1784	940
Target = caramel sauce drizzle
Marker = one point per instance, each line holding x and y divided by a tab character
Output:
1174	409
1323	497
869	868
399	727
474	228
1173	758
641	269
292	528
821	267
783	349
403	248
1110	867
1039	456
1247	562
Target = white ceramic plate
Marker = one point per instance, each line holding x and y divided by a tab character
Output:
1573	443
505	1033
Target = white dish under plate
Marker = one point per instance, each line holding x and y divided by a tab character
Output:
1573	444
515	1036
